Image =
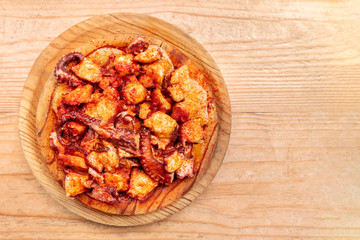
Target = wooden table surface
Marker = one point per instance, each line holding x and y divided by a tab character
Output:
292	170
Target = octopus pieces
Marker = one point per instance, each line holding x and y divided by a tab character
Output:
126	121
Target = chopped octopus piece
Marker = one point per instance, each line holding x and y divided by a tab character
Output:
173	161
87	69
131	109
176	93
76	183
186	169
105	82
125	65
162	143
144	110
103	194
105	109
161	124
101	55
191	131
203	115
73	161
119	180
193	91
112	94
159	101
140	184
97	177
168	66
81	94
93	159
137	46
154	75
75	128
148	56
110	158
179	75
95	97
185	110
147	81
134	93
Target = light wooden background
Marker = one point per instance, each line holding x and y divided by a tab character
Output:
292	170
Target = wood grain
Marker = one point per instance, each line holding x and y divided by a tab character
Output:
291	170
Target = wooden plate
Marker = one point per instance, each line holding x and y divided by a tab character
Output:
105	27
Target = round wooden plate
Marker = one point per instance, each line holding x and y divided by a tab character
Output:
104	27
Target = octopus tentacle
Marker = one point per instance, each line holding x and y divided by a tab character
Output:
60	138
81	117
63	75
152	167
71	115
124	137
